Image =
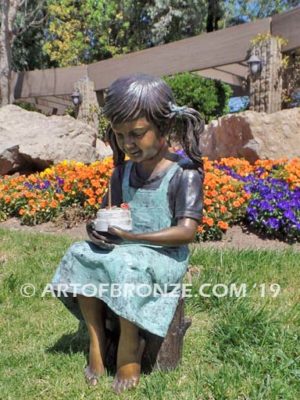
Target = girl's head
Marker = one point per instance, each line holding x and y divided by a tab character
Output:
149	100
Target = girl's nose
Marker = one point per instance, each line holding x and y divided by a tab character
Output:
129	142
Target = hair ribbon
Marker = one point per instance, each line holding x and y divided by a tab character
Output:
177	109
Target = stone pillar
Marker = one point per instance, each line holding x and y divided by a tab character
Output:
266	86
89	109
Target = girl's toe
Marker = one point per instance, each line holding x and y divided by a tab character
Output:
91	377
120	385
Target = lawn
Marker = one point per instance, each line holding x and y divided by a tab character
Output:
238	347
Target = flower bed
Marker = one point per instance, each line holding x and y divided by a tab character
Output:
274	189
266	195
43	196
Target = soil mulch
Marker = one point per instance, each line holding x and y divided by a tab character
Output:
237	237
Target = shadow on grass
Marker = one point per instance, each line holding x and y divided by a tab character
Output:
77	342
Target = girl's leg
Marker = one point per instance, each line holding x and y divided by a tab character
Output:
93	312
130	351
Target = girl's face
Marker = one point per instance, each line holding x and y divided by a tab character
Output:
139	139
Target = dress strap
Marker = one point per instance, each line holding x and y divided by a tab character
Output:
125	181
164	185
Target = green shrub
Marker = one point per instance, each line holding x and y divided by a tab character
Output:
103	124
207	96
27	106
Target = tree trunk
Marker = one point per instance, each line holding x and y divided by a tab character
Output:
9	12
214	14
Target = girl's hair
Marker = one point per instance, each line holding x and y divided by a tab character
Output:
140	95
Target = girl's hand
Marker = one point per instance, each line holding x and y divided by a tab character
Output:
125	235
103	240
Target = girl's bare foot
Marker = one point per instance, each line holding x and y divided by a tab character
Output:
92	310
128	374
95	369
92	377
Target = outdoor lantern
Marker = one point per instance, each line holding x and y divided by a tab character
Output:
76	98
255	65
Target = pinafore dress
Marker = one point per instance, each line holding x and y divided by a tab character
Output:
134	264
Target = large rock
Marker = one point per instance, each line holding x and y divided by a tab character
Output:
31	141
253	135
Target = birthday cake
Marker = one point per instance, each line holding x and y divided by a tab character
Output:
113	216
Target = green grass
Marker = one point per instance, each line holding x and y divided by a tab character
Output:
237	347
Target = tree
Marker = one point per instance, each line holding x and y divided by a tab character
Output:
8	14
27	14
214	15
172	20
82	32
239	11
27	50
87	31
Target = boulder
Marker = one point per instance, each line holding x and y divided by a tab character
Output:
253	136
30	141
102	149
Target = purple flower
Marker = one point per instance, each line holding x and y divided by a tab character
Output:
28	185
273	206
290	215
252	214
283	205
59	180
265	206
46	184
273	223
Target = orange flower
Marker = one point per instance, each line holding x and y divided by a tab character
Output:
53	204
43	204
232	195
200	229
91	201
95	183
99	191
89	192
207	202
208	221
221	198
223	209
60	196
223	225
237	203
7	199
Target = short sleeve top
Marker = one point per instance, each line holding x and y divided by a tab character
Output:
185	192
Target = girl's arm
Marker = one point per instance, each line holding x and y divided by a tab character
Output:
183	233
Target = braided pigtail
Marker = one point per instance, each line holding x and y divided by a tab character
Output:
188	127
118	155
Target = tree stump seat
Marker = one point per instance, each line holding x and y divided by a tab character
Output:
160	353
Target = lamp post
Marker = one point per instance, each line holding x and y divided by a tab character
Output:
255	65
76	98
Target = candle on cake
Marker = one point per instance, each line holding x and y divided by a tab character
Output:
113	216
